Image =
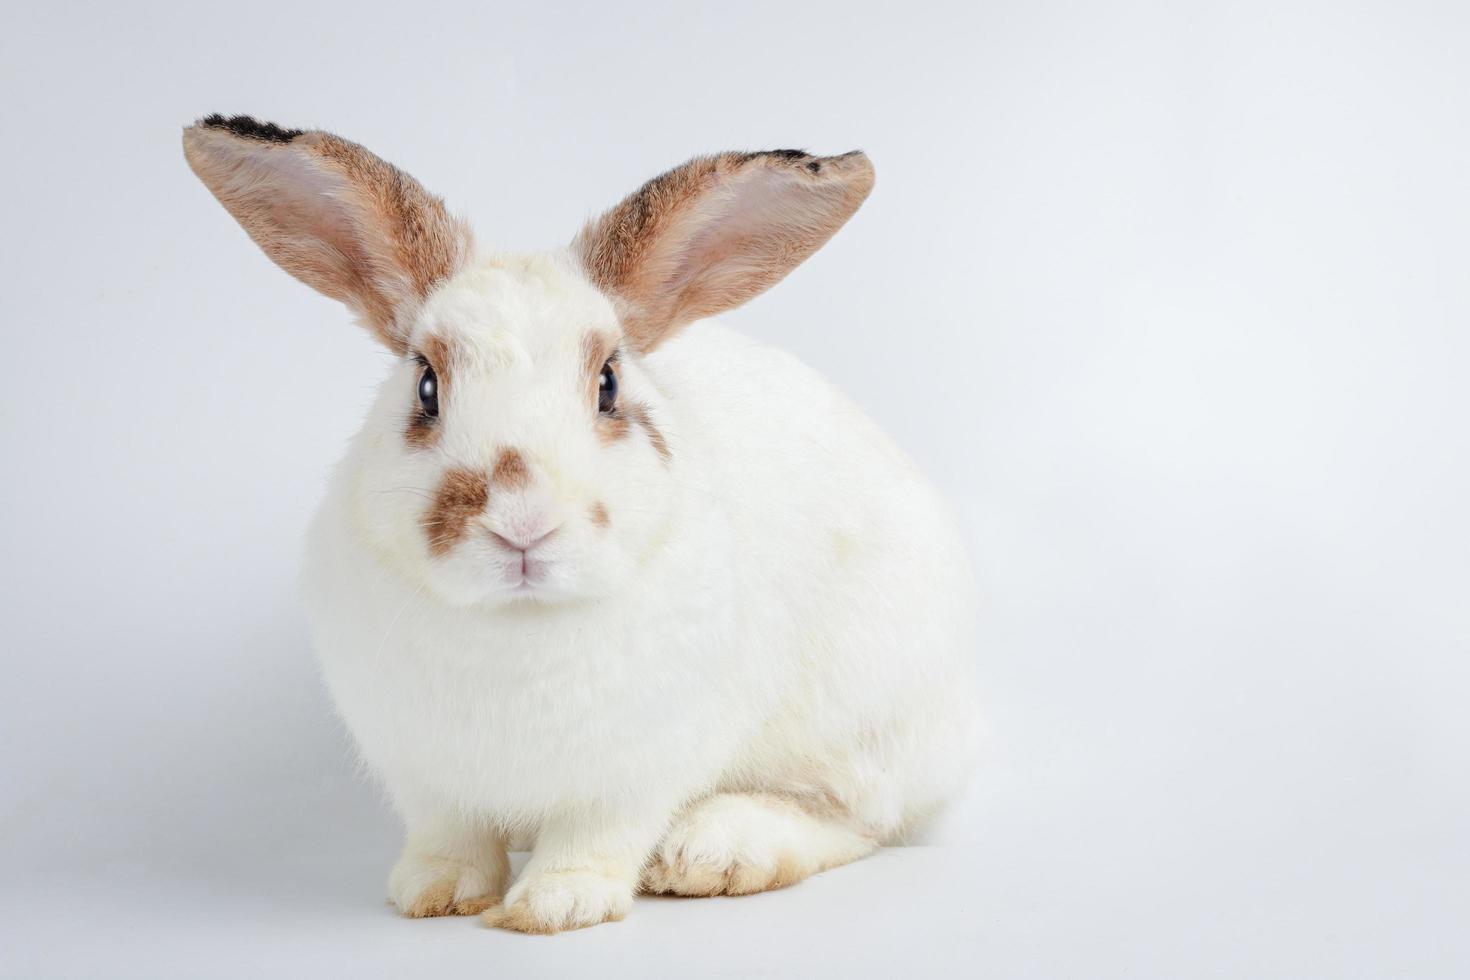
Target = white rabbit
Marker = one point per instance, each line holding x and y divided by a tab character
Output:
599	573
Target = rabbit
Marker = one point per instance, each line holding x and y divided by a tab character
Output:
598	573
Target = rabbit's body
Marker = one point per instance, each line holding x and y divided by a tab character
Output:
803	632
659	599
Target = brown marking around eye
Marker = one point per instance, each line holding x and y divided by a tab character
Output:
628	414
594	355
597	350
598	515
510	470
637	412
611	428
441	356
422	430
461	497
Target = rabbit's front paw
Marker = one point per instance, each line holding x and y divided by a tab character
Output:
554	901
423	885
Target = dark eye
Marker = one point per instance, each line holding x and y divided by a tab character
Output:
429	392
607	389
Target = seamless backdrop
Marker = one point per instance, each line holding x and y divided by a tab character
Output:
1169	298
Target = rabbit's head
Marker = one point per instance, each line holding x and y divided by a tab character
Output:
518	450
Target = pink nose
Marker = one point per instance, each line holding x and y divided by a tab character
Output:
522	541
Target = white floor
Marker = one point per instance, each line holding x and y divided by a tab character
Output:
321	917
1052	893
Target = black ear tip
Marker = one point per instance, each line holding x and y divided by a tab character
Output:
248	127
852	159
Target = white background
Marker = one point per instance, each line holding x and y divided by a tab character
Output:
1169	298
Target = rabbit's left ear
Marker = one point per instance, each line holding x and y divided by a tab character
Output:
332	214
716	232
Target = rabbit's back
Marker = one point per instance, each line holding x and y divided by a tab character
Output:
852	586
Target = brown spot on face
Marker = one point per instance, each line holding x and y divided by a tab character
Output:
617	425
719	230
461	497
638	413
597	349
441	355
611	428
510	470
598	515
422	431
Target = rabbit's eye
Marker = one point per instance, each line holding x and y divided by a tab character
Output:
429	392
607	389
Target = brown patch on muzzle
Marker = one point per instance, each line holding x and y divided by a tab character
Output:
510	470
461	497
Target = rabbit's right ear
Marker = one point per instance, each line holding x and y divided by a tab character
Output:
332	214
716	232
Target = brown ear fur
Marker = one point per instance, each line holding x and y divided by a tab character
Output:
717	232
332	214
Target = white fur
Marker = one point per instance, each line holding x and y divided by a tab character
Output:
781	608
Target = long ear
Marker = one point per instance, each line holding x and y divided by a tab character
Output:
331	214
716	232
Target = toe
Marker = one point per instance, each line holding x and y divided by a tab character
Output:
437	899
560	901
473	906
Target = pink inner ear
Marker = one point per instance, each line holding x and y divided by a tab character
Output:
305	214
334	216
716	232
304	211
749	234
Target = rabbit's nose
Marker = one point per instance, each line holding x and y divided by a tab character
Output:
523	541
522	511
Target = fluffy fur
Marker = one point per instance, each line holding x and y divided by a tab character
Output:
711	643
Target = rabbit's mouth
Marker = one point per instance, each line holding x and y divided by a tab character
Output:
534	586
526	568
532	574
491	567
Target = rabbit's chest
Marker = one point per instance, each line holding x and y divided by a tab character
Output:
512	723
